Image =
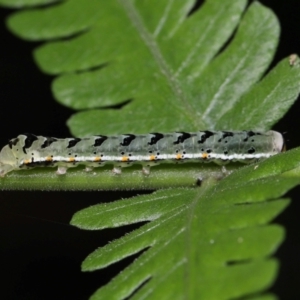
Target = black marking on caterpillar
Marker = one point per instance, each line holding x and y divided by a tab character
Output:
13	142
251	150
48	142
30	138
220	147
127	139
225	135
98	141
73	142
250	134
182	137
155	138
205	136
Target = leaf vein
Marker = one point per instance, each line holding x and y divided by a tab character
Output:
163	19
161	62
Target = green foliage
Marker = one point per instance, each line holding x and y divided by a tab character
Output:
165	63
24	3
200	242
178	75
162	176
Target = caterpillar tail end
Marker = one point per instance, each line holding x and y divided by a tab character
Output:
5	168
7	161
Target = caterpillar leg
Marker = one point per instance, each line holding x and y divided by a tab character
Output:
146	170
147	165
225	171
117	170
61	170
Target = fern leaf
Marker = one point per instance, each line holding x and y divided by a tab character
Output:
172	71
199	243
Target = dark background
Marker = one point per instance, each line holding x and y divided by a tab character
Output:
40	253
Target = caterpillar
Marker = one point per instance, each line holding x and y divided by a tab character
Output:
221	147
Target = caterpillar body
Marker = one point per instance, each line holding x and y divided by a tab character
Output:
221	147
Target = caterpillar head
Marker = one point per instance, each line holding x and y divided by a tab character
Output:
278	142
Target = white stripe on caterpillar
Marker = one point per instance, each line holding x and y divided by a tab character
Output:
221	147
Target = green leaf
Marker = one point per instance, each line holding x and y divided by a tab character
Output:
199	242
163	62
266	98
262	297
170	71
162	176
23	3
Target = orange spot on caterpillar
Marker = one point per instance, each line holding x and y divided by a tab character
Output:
178	156
152	157
97	158
204	155
125	158
71	159
27	161
48	158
